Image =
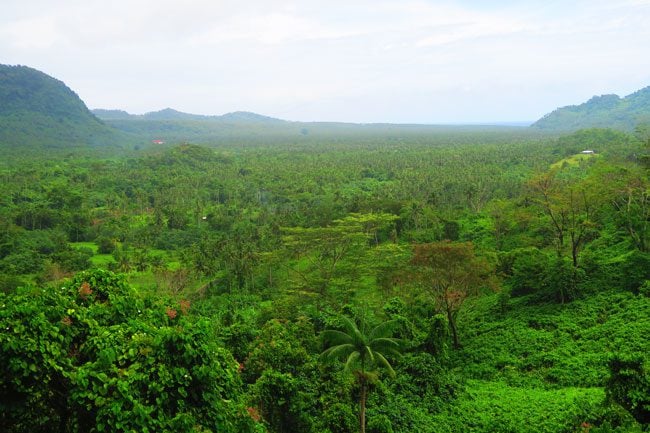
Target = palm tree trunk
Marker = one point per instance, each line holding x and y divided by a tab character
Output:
362	406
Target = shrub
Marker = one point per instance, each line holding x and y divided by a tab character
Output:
629	386
92	356
105	245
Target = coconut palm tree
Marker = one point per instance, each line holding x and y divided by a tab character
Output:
363	354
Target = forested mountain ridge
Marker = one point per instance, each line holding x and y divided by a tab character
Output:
40	112
26	89
37	111
605	111
171	114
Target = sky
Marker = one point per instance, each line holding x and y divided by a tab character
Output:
400	61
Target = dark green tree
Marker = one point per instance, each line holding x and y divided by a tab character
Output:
629	386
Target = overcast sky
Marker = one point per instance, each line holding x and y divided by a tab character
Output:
360	61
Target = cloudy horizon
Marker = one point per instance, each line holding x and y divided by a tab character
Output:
410	61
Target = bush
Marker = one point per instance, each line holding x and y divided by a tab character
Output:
92	356
634	271
562	279
74	259
528	271
9	283
338	418
105	245
629	386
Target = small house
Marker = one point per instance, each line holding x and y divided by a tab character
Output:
587	152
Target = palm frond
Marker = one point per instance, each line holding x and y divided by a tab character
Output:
334	337
349	326
354	356
337	352
387	345
350	344
353	331
369	352
384	362
383	330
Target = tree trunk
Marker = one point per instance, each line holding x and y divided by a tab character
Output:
454	331
574	254
362	406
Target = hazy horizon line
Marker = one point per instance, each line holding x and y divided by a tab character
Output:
522	123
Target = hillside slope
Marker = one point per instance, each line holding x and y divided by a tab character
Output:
38	111
606	111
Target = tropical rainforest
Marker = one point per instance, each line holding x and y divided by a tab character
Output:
240	273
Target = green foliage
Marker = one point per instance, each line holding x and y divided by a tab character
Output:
283	401
282	374
278	347
526	270
72	260
105	245
629	385
495	407
427	379
339	418
93	356
601	140
562	279
551	345
437	339
450	273
633	271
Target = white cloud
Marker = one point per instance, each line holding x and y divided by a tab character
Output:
360	60
274	28
33	33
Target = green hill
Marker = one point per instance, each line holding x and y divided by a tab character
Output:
606	111
169	114
111	114
175	126
40	112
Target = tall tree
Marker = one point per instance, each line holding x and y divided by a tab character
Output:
628	191
328	261
363	354
451	273
570	206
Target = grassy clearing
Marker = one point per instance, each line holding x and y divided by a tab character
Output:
90	245
101	261
574	160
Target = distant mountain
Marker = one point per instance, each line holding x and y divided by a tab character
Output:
111	114
38	111
170	126
169	114
606	111
246	116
